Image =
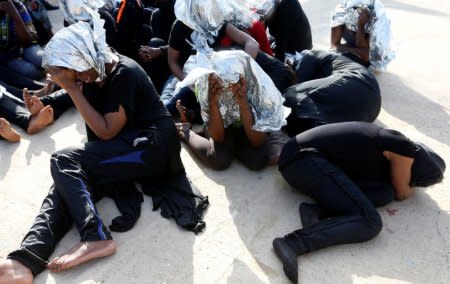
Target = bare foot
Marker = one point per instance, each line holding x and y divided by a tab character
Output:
7	132
40	120
32	102
14	272
81	253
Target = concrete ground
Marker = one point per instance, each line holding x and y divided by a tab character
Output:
249	209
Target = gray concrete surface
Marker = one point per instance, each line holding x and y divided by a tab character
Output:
249	209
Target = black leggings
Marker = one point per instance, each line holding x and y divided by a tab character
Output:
14	110
331	88
76	172
350	207
219	156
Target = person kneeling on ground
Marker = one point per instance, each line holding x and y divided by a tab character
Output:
349	168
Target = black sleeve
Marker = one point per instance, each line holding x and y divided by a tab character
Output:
396	142
178	36
120	91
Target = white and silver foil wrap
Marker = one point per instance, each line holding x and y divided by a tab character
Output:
378	27
264	98
80	48
206	18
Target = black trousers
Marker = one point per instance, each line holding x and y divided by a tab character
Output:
219	156
13	109
350	206
77	171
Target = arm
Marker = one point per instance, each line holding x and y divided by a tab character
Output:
104	126
25	38
173	59
256	138
400	174
362	39
215	123
250	45
336	36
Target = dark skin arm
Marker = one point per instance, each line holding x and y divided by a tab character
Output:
215	123
250	45
173	59
104	126
400	174
362	39
23	35
239	90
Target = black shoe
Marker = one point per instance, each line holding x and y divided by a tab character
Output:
309	214
289	258
49	6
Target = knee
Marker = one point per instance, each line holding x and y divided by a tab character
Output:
374	225
256	163
60	159
219	164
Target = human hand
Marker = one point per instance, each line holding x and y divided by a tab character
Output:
404	193
239	89
215	87
147	53
363	16
65	78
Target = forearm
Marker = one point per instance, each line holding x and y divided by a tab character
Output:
96	122
256	138
336	35
216	129
401	175
24	36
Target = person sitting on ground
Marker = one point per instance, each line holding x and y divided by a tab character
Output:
349	168
131	136
240	115
366	32
17	33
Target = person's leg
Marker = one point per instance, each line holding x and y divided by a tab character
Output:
379	193
7	132
33	54
217	156
253	158
280	74
60	101
15	112
18	80
25	68
354	219
49	226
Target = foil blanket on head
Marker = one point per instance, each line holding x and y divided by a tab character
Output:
264	98
378	27
79	47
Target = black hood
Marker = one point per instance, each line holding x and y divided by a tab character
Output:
428	167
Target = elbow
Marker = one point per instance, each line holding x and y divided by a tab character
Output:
105	135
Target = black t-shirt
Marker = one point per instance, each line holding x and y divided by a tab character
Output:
180	39
290	28
130	87
355	147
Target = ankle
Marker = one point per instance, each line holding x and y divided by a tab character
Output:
295	242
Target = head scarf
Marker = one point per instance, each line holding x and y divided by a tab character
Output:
428	167
79	47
